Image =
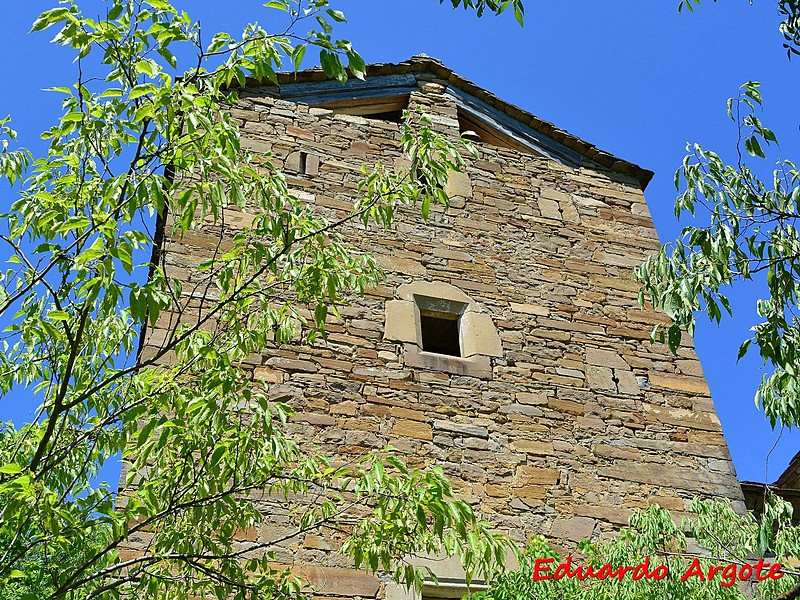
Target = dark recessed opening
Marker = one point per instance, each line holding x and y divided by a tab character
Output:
394	116
440	333
475	130
388	109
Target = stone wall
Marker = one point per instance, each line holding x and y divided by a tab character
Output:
571	420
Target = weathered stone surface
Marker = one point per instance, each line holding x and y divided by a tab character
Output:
414	429
605	358
530	309
610	514
291	365
314	419
405	266
528	398
461	428
575	529
347	408
479	335
565	421
536	475
452	254
550	209
434	289
268	375
678	383
566	406
677	477
627	382
600	378
339	582
521	409
533	447
458	184
682	417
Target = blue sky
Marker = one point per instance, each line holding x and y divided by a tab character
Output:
633	77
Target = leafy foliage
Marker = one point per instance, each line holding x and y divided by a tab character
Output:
37	566
753	232
652	536
136	152
495	6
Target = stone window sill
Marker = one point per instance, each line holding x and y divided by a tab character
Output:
476	366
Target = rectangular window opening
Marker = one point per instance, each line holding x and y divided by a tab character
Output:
389	109
440	332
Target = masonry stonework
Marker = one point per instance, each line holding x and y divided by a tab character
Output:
562	417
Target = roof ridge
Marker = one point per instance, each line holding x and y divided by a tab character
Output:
419	63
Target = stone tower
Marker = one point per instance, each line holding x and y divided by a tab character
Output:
507	344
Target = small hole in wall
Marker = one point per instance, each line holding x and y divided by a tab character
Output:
303	162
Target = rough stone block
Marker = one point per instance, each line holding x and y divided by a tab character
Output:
479	335
566	406
600	378
461	428
627	383
605	358
401	323
575	528
404	266
312	164
434	289
335	581
458	184
530	309
533	447
414	429
549	209
678	383
314	419
268	375
288	364
292	162
535	475
521	409
347	408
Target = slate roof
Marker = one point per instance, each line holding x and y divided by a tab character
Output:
790	478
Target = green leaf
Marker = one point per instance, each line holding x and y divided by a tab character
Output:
144	67
49	17
332	65
298	53
743	349
278	5
674	337
142	90
336	15
115	12
519	13
357	66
